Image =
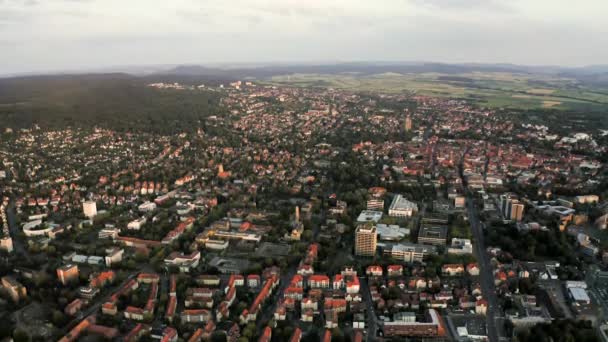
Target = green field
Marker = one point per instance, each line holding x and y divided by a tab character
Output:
522	91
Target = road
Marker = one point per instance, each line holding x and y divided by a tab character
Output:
18	245
284	281
486	275
372	320
485	270
98	301
276	297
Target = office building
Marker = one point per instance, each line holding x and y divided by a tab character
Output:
409	252
366	238
14	288
375	204
433	234
408	123
433	327
511	208
401	207
67	273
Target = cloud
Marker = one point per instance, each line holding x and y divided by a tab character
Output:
465	4
58	34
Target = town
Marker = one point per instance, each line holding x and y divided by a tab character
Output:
307	214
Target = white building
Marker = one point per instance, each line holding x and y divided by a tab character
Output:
6	244
369	216
391	232
114	255
401	207
90	209
460	246
147	207
409	252
137	224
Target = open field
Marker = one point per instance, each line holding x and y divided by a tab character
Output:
522	91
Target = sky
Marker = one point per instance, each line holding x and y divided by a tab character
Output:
60	35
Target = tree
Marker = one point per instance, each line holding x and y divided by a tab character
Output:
249	331
218	336
21	335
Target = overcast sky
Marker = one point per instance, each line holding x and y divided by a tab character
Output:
46	35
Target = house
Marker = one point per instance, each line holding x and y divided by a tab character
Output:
109	308
473	269
444	295
253	280
318	281
452	269
195	316
294	292
417	283
73	307
374	271
467	302
208	280
266	335
481	307
197	335
353	285
171	307
500	277
327	336
305	270
134	313
280	313
102	279
296	336
395	270
148	278
137	332
235	280
309	303
338	282
307	315
353	297
297	281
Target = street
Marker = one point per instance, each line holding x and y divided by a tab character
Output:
14	229
372	320
485	275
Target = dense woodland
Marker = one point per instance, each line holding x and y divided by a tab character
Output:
559	331
115	101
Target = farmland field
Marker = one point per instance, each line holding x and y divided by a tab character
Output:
505	90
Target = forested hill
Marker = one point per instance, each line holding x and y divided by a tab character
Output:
116	101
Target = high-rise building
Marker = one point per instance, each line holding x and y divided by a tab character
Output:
6	244
67	273
408	123
511	209
89	209
14	288
366	238
517	210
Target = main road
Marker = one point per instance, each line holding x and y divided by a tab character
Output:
486	276
14	229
